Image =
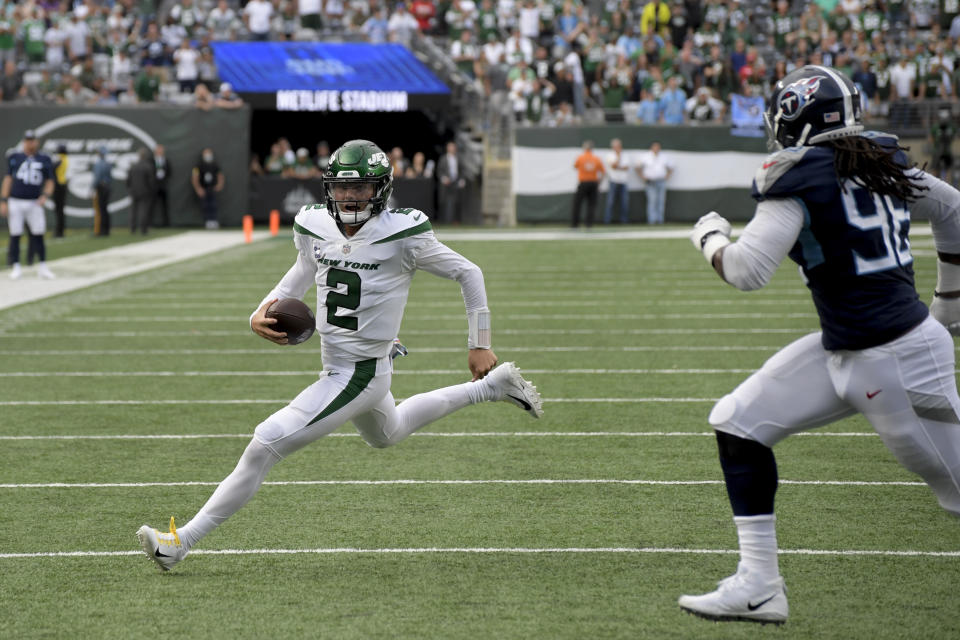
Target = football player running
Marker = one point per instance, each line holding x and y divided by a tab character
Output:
837	200
362	257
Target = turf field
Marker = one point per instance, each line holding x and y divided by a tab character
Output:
128	402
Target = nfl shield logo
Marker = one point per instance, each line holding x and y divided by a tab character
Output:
346	249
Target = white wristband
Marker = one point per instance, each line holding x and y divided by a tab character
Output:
712	243
478	328
948	276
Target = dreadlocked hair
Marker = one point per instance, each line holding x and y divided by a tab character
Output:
873	167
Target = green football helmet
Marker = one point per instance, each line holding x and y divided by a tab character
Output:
353	165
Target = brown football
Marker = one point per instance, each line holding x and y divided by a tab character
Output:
293	318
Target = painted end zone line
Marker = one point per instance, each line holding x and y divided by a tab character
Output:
492	550
540	481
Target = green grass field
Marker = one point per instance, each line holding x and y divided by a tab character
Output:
128	402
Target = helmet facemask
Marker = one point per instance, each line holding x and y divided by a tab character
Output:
355	205
358	182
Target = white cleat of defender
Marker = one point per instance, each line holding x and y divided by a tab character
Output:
15	271
516	390
44	271
739	598
163	548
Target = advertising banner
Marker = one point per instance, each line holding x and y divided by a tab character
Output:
123	131
332	77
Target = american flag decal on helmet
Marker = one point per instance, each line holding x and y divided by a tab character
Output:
833	116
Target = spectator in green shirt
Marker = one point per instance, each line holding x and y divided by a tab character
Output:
147	85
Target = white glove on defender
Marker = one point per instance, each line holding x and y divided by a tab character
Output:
947	310
710	234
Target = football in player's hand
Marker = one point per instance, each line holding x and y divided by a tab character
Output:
293	318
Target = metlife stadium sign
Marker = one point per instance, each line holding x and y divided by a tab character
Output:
329	77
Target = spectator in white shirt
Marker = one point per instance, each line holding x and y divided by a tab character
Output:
655	169
186	58
222	22
529	24
402	25
618	172
519	47
257	16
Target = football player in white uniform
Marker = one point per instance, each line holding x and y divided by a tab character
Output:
362	258
837	200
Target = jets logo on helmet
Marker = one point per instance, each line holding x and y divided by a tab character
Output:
358	182
798	96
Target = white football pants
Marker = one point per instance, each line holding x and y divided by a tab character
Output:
29	211
345	391
905	388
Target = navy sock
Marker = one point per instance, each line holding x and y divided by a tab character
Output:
750	472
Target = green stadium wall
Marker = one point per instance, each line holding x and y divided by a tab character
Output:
714	170
183	131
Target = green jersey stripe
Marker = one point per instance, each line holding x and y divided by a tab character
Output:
362	375
412	231
305	231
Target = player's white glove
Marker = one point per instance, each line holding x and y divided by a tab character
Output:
946	308
710	234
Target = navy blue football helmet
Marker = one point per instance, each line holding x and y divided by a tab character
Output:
810	105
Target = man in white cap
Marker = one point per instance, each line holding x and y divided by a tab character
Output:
227	99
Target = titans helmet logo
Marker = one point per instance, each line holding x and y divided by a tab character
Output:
798	96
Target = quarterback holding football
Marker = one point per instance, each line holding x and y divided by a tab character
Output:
361	257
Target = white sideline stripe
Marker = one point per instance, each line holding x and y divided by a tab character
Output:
453	304
440	434
187	333
421	372
311	483
90	319
44	403
305	350
493	550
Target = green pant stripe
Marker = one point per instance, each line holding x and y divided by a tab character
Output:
362	375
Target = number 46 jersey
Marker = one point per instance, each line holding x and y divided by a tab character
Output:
363	281
28	174
853	248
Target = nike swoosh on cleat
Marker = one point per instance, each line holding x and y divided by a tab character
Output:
161	555
754	607
526	405
871	395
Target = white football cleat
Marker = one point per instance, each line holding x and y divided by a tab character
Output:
516	390
740	598
163	548
15	271
44	271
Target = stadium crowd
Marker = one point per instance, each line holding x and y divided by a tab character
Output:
547	61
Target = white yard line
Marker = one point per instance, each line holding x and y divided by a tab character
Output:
312	372
284	401
274	351
539	481
494	551
440	434
190	333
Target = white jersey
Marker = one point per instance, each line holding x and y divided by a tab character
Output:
363	281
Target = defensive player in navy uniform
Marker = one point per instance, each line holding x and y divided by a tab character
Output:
27	185
361	257
838	201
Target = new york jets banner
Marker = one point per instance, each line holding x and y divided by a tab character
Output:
713	170
123	131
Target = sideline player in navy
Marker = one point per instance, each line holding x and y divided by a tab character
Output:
837	200
27	185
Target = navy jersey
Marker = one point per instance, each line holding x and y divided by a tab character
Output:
853	247
28	173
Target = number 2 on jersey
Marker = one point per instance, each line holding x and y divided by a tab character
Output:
349	300
873	213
